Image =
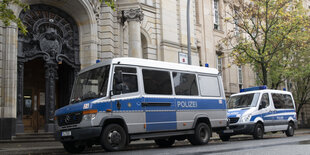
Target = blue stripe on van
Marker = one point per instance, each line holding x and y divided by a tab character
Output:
135	104
157	121
279	111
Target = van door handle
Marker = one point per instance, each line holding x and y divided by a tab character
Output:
118	105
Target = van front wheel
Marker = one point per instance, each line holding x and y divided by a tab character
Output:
201	136
290	130
73	147
165	142
113	138
258	131
224	137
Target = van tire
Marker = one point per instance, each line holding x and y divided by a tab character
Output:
224	137
165	142
258	131
290	130
113	138
201	136
73	147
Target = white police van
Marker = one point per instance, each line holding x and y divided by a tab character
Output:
258	110
124	99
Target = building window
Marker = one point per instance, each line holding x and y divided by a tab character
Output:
219	63
216	14
148	2
240	78
236	27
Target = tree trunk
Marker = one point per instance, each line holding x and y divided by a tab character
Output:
298	109
264	71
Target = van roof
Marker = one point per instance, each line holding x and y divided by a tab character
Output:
263	91
153	64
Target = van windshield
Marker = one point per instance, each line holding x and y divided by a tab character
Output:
243	101
91	84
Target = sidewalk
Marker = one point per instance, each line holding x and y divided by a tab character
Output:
55	147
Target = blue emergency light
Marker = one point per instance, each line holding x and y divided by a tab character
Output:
253	88
97	61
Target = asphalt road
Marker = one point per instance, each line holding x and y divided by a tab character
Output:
238	145
271	144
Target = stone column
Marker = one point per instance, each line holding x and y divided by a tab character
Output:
50	77
134	17
20	97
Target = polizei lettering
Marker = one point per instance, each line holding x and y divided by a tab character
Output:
187	104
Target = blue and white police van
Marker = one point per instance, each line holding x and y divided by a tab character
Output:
124	99
258	110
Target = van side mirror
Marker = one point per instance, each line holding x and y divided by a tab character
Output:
262	105
118	77
118	80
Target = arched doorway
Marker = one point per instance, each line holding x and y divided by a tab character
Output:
48	60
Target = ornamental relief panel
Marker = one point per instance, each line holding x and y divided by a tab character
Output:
52	34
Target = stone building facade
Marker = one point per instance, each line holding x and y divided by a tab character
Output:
210	30
64	36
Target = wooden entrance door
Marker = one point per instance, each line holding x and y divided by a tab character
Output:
34	96
34	110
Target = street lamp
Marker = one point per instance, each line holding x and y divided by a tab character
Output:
188	34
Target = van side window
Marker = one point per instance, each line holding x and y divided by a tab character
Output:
157	82
185	84
209	86
282	101
129	80
264	101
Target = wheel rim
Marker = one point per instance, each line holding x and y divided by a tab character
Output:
259	132
203	134
114	138
290	130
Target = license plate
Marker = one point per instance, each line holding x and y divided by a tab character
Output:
66	133
228	131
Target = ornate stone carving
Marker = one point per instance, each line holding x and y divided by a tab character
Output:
95	4
133	15
50	77
52	34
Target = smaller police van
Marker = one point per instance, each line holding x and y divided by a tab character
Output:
125	99
258	110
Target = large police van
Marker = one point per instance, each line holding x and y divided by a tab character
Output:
124	99
258	110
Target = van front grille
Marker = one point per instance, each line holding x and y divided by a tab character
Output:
233	120
68	119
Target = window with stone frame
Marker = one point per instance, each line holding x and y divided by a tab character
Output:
216	14
148	2
219	61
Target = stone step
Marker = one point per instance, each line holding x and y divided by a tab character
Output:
34	135
31	137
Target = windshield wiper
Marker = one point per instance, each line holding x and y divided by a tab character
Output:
89	95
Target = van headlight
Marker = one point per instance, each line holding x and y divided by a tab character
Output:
89	117
245	118
89	114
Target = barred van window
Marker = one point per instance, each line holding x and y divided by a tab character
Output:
185	84
157	82
209	86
